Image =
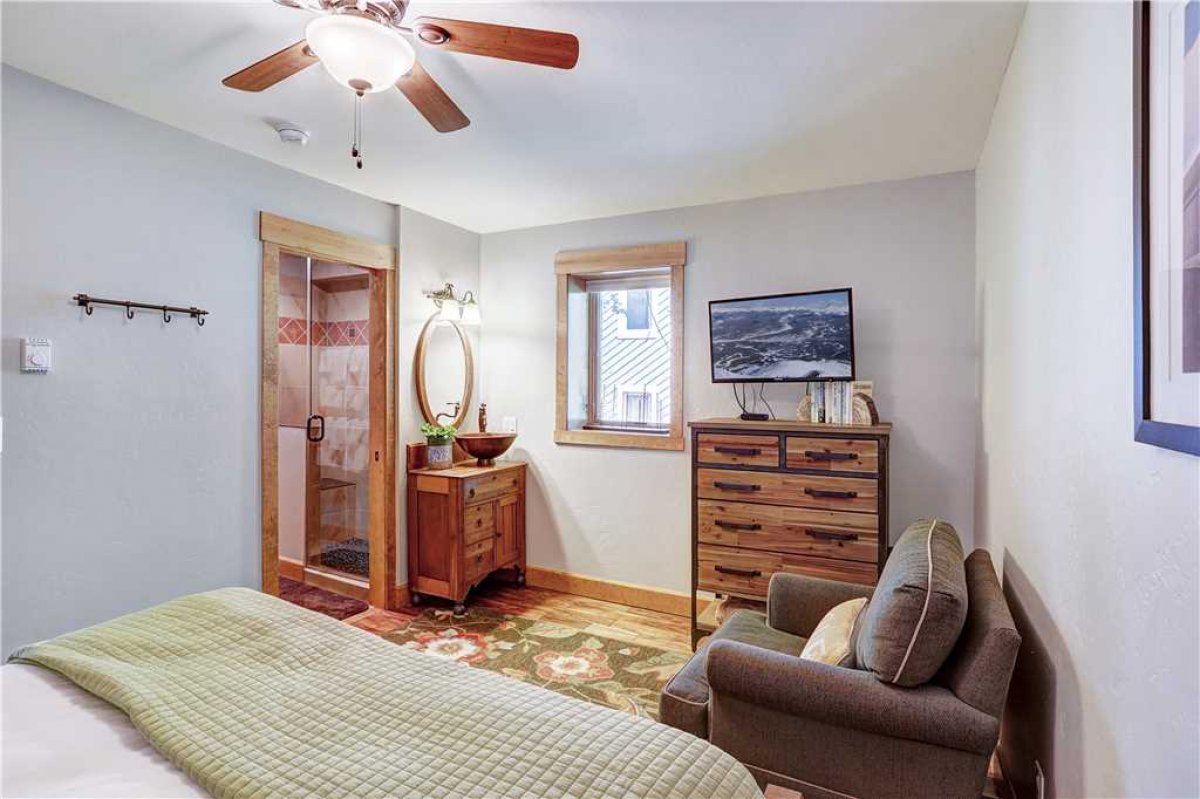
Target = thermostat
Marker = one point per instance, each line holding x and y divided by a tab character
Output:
35	355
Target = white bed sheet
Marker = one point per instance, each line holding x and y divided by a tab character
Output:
58	740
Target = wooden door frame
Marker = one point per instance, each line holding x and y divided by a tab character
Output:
279	235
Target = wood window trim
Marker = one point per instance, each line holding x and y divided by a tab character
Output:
279	235
569	267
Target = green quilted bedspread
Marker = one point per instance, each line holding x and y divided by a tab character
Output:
254	697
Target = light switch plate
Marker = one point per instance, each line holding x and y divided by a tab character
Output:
508	424
35	355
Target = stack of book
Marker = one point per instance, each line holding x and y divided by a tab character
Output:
833	402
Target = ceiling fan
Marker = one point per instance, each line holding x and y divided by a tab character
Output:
363	45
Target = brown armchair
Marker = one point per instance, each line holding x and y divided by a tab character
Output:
833	732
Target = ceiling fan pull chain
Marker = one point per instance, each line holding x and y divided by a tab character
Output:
356	147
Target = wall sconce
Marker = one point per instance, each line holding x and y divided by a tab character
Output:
463	309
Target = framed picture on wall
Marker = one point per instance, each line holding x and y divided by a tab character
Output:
1166	224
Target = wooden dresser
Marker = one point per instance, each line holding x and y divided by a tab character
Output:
784	496
463	524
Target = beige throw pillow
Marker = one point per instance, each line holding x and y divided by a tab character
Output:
832	641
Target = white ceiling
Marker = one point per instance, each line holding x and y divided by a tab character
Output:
671	104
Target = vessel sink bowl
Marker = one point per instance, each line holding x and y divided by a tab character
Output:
485	447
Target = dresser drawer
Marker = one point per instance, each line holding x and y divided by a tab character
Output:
491	486
479	522
747	572
801	490
832	454
777	528
738	450
478	559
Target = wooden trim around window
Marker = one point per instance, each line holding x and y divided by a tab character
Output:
570	266
612	259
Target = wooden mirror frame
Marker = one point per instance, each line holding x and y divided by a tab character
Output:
419	370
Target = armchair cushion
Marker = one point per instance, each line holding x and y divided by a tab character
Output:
797	602
918	609
848	698
684	700
832	641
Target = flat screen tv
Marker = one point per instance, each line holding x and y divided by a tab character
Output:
783	338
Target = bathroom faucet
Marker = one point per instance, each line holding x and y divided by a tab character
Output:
483	417
453	415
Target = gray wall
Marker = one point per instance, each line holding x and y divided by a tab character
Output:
132	470
432	253
1098	536
906	247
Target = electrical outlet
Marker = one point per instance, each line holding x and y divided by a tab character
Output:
1039	780
508	424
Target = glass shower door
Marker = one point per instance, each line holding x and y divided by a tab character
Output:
338	427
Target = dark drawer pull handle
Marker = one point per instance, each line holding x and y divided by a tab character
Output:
737	525
816	492
829	535
471	493
814	455
747	451
748	487
738	572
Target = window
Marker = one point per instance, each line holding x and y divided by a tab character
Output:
620	356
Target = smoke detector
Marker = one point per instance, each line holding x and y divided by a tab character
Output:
291	134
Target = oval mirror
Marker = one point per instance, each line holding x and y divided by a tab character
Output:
445	372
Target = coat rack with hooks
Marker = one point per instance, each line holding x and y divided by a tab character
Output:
86	302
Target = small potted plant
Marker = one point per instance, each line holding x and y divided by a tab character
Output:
441	444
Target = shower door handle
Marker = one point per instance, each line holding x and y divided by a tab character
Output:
319	434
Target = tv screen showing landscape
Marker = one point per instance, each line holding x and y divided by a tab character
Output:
783	338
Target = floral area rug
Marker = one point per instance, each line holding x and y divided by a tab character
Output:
565	659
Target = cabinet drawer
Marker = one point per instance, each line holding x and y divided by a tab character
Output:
800	490
746	572
479	522
803	531
478	559
738	450
491	486
832	454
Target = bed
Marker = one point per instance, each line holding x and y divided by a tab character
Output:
234	693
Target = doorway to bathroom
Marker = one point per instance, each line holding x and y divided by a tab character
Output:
328	411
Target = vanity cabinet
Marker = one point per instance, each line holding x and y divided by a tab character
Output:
463	524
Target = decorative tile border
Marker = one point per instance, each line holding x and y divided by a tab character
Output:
325	334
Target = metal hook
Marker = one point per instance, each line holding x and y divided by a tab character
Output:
166	316
87	308
128	311
199	317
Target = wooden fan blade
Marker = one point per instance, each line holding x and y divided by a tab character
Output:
272	69
547	48
434	104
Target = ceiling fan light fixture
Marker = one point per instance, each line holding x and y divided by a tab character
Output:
360	53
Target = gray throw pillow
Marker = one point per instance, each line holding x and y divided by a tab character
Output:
918	609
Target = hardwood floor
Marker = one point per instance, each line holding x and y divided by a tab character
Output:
608	619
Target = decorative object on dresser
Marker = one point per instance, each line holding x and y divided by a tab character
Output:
839	403
784	496
464	523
